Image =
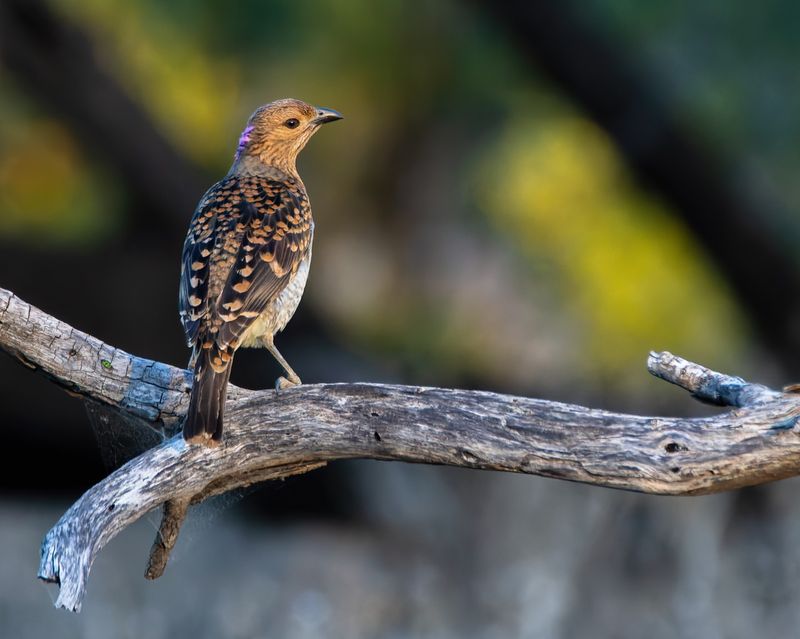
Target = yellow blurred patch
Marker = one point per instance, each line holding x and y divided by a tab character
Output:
48	193
189	92
626	268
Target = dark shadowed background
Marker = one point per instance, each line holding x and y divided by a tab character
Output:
524	197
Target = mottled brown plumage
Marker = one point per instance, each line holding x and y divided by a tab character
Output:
246	257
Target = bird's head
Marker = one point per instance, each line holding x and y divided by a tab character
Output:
277	132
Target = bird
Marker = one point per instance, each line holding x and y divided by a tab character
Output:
246	258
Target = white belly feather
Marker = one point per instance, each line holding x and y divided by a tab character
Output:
279	311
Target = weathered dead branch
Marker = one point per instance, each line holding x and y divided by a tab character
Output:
271	435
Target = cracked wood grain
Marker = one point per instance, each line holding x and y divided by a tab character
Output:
271	435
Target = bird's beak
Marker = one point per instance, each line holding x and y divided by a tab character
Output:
326	115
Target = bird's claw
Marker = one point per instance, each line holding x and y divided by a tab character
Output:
282	383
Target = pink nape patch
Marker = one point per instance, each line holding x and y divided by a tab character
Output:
245	137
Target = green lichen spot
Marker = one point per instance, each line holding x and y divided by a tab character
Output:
105	364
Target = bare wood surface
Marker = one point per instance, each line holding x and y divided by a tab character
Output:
273	435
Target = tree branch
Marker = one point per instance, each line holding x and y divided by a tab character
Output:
271	435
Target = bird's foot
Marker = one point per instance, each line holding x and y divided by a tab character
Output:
204	439
282	383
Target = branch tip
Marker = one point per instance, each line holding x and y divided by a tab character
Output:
706	385
174	514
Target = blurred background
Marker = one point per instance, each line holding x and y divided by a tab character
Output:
524	197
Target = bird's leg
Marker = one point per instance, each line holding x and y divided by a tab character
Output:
282	382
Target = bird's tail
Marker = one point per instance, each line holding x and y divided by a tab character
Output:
203	423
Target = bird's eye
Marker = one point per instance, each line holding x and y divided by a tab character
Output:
291	123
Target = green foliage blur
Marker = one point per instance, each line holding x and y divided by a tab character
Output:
472	224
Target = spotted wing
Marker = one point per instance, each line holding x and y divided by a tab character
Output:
198	249
276	231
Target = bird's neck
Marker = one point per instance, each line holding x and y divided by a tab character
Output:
249	164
